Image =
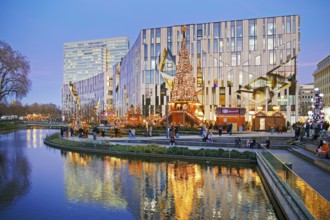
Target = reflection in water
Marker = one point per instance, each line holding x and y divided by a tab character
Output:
169	189
34	137
14	172
97	185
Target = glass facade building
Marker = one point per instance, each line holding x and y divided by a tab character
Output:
85	60
322	79
306	94
225	55
90	92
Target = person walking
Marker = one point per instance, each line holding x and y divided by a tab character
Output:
176	131
150	131
230	128
267	143
133	133
238	142
307	128
220	130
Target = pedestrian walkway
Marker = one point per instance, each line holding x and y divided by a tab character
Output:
317	178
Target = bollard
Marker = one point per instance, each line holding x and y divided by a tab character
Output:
288	164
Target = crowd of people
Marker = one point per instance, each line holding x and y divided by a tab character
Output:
309	129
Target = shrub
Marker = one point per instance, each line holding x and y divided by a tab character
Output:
248	155
235	154
211	153
225	154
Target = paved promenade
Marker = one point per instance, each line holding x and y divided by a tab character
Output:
315	171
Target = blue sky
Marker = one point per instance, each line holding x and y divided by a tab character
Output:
39	28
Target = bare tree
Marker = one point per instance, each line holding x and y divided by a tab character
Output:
14	71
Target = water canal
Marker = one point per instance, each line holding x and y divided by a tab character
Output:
39	182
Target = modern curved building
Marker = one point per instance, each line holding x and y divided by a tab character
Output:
88	65
248	63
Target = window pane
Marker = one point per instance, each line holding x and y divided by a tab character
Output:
233	44
233	59
288	24
257	61
270	43
252	27
232	29
252	44
221	45
239	28
216	30
215	45
239	44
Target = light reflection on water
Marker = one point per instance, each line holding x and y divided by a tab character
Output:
166	189
132	188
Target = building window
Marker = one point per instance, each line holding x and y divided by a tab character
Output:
157	50
272	58
169	34
239	44
215	62
216	30
199	31
270	26
152	50
215	46
232	29
288	45
198	47
221	45
233	59
149	77
144	36
153	63
232	45
239	27
240	78
280	39
270	43
152	35
204	59
258	60
230	75
145	48
252	28
252	43
288	24
158	35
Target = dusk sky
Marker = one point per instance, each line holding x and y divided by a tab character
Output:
39	28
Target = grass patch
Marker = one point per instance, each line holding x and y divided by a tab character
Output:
8	127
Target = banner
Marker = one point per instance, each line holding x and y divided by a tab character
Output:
230	111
